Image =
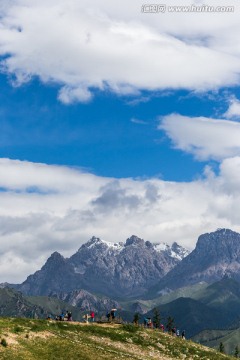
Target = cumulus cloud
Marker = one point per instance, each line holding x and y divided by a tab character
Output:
234	109
115	47
113	197
70	95
76	205
205	138
87	45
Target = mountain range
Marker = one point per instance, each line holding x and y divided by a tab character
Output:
200	289
137	268
112	269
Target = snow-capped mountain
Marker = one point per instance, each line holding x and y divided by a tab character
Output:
113	269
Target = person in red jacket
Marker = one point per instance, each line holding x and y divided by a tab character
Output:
92	316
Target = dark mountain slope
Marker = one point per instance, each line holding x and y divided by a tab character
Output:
191	315
216	254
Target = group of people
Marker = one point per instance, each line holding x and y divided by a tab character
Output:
148	322
90	316
174	331
64	316
111	314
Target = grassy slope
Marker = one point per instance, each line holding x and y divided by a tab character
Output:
164	299
224	296
212	338
38	339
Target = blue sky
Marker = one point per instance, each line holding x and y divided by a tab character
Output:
113	136
115	122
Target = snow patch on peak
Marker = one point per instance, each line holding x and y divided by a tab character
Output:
114	246
161	247
175	251
178	256
178	251
94	241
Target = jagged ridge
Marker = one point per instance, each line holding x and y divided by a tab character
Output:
113	269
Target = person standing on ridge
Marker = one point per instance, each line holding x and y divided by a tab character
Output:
92	316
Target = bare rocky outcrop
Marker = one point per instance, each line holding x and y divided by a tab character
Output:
86	301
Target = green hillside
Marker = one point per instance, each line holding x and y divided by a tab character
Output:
14	303
191	315
27	339
212	338
223	295
215	306
188	291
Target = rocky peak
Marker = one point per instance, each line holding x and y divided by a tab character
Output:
219	234
149	244
92	242
221	243
175	251
220	247
96	244
54	260
178	251
216	254
56	256
134	240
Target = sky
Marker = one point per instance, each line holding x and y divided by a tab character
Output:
116	119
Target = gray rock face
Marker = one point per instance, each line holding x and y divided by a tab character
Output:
137	307
87	302
216	254
120	269
56	274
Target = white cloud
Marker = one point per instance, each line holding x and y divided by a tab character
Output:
70	95
108	46
205	138
138	121
113	46
76	205
234	109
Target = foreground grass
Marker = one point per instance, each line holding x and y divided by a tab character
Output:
39	339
